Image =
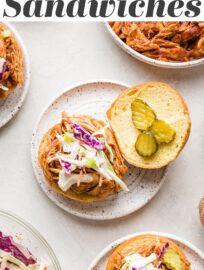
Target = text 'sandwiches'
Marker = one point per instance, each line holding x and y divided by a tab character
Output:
101	9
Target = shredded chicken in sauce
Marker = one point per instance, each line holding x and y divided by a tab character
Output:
165	41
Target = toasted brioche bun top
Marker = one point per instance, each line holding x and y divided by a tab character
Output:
144	245
168	105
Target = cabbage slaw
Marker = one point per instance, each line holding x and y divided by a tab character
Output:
83	150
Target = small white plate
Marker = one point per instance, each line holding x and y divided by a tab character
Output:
15	100
94	99
148	60
194	255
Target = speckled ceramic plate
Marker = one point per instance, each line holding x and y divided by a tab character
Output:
13	103
94	99
148	60
194	255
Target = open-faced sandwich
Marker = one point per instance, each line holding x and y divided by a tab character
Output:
151	123
81	160
148	252
14	256
11	63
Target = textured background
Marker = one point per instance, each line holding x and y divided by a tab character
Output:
63	54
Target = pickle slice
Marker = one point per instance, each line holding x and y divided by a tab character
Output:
146	145
163	132
172	260
142	115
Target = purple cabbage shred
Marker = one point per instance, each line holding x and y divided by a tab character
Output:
2	68
81	134
21	253
66	165
161	254
163	250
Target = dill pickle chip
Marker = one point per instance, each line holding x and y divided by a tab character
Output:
146	145
163	132
142	115
172	260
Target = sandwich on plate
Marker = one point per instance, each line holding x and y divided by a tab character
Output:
151	123
11	63
148	252
81	160
14	256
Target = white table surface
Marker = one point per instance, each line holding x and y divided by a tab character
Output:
63	54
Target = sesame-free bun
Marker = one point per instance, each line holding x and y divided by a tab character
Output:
168	105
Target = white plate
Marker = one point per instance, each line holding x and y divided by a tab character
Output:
148	60
15	100
194	255
94	99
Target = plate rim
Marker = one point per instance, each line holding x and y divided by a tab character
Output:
119	241
27	66
148	60
57	202
34	232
